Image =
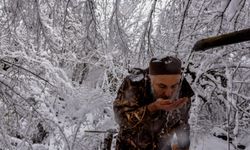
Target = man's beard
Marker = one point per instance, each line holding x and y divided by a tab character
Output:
156	95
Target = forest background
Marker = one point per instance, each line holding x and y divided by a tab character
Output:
62	61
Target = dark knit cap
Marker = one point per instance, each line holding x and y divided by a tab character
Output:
166	65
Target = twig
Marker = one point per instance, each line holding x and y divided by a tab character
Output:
27	71
101	131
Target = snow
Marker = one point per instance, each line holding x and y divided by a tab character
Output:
168	61
136	78
156	60
209	142
109	47
233	8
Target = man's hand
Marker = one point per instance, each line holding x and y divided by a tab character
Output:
167	105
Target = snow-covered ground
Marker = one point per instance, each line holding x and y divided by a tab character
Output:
202	142
209	142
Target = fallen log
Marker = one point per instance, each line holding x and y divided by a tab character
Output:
221	40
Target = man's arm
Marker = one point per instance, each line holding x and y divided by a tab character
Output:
128	112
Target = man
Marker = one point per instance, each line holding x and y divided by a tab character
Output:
152	108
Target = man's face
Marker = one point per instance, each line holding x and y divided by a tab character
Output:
165	86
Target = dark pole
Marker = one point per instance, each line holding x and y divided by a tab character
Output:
221	40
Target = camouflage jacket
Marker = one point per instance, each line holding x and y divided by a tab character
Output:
139	128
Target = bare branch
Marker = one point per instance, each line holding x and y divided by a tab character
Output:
4	61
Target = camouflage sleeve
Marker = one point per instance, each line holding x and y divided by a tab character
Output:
128	112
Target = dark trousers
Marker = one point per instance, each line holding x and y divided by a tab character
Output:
125	146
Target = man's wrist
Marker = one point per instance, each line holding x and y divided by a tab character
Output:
151	107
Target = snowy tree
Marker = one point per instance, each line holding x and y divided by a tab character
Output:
61	63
